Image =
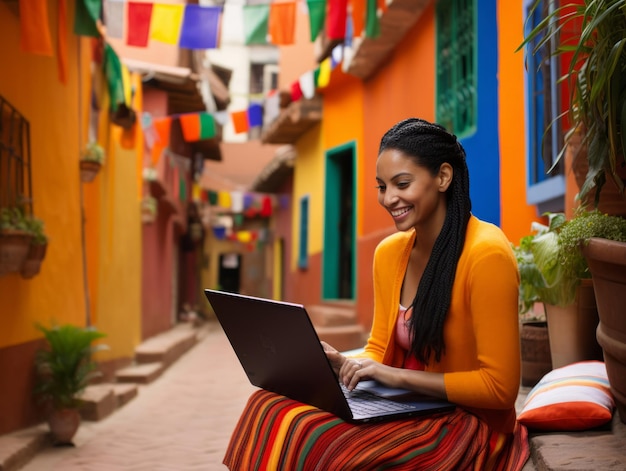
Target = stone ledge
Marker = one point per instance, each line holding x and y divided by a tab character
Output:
17	448
167	347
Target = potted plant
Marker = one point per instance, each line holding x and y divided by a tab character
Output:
64	368
149	207
569	294
37	249
14	240
534	338
91	160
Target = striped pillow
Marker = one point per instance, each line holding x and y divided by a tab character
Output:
574	397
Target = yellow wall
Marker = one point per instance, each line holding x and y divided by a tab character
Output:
29	82
308	179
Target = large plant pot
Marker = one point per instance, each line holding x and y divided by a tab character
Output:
572	329
63	425
535	346
607	262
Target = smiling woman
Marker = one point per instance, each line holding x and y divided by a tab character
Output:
445	325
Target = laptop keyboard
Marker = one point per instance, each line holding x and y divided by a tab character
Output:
365	403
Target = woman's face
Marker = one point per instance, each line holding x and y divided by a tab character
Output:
410	193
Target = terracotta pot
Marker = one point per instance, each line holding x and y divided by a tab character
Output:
607	262
63	425
572	329
14	246
88	170
535	346
32	264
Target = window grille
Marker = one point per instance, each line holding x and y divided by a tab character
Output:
15	178
456	65
303	246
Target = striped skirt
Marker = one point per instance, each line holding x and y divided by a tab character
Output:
277	433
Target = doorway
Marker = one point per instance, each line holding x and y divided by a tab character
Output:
339	224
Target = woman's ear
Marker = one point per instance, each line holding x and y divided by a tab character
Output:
446	172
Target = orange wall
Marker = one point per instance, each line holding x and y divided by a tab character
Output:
29	82
515	214
404	88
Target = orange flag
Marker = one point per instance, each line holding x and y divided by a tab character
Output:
358	16
162	127
34	28
62	41
240	121
281	27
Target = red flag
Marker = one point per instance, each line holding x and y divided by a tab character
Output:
336	20
139	15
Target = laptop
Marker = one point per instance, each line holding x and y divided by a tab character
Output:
280	351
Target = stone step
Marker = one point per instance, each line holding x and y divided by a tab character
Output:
167	347
101	400
18	448
346	337
328	315
141	374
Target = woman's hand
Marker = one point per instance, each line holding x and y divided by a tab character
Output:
336	359
355	370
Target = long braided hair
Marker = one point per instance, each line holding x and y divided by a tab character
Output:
431	145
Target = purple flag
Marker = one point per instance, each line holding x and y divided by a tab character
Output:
200	27
255	115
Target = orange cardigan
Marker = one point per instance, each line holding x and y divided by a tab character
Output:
481	362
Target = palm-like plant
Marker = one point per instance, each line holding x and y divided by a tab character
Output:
596	78
65	368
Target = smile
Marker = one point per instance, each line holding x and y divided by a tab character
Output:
399	212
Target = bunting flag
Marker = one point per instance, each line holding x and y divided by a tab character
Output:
281	26
223	199
296	91
197	126
138	30
165	23
240	121
317	16
307	84
336	21
86	16
372	26
114	18
200	27
324	73
357	9
255	115
255	22
113	73
62	41
34	29
162	126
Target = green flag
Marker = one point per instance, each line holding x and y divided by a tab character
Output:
372	25
255	23
317	15
87	13
207	126
113	74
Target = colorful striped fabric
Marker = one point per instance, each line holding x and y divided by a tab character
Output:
277	433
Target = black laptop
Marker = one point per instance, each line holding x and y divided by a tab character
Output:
280	351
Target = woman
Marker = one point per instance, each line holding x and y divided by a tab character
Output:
445	324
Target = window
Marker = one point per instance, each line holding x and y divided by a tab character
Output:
303	247
15	180
544	133
456	65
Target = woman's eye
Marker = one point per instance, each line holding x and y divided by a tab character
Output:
381	188
403	184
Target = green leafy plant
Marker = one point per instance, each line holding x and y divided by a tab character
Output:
65	367
557	255
94	152
36	227
596	78
13	219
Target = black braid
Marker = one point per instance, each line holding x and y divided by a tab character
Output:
431	145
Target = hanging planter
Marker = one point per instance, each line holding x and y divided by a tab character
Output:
91	161
15	240
34	258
